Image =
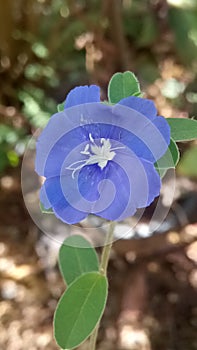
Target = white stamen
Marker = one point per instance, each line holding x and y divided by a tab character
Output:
99	155
115	148
91	138
86	152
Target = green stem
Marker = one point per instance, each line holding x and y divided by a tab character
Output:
103	270
107	248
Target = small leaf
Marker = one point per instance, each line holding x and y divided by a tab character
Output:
183	129
80	309
76	256
123	85
45	211
169	159
60	107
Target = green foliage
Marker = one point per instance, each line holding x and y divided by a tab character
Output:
80	309
40	50
123	85
169	160
60	107
45	211
188	163
149	31
9	134
76	257
9	139
184	25
39	56
41	72
49	52
183	129
36	106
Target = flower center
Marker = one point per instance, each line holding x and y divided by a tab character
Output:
96	155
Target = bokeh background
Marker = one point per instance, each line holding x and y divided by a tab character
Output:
46	48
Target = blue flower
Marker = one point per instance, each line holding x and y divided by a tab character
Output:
99	158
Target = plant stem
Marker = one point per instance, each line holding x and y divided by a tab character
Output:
107	248
103	270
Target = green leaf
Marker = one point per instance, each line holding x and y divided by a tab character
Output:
76	256
122	85
80	309
183	24
138	94
169	160
45	211
60	107
188	163
183	129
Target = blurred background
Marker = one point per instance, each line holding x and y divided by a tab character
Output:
48	47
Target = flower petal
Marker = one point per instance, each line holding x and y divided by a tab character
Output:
82	94
164	128
59	151
142	105
121	198
105	190
148	138
155	135
89	178
154	184
135	185
61	207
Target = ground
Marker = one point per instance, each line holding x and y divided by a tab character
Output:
152	302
